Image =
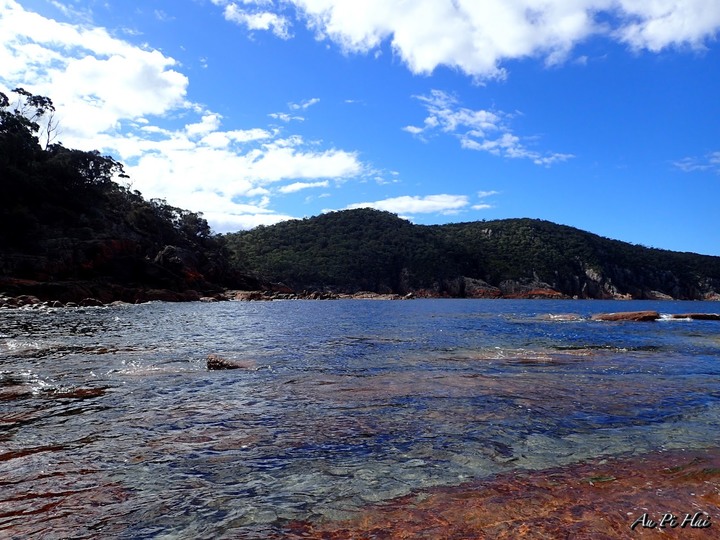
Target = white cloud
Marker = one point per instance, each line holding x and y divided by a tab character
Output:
481	130
478	37
657	24
257	19
413	130
233	222
297	186
709	162
304	104
484	195
208	124
122	99
285	117
223	139
443	204
96	79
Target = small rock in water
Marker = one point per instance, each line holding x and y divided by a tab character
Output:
697	316
215	362
627	316
561	317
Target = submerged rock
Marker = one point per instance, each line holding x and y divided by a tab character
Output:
600	498
215	362
641	316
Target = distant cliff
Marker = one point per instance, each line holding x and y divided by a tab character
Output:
366	249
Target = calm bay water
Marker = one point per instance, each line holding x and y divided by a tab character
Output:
111	425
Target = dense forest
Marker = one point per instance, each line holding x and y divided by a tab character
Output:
70	230
367	249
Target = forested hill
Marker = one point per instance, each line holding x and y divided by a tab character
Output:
68	230
364	249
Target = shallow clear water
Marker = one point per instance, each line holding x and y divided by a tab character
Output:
111	425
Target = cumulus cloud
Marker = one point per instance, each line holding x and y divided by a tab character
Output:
409	205
117	97
659	24
254	16
478	37
482	130
99	80
232	184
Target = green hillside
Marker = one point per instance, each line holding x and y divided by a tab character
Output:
366	249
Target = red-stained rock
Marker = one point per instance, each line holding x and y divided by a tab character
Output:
600	499
544	293
627	316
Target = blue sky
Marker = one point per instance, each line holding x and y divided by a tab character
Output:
598	114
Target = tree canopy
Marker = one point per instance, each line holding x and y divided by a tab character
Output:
65	216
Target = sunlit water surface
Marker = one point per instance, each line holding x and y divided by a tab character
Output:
111	425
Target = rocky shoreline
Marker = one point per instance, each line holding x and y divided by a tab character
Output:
20	293
30	301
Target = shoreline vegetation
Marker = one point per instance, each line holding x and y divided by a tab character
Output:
71	234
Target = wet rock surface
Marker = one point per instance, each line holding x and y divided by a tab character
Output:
642	316
697	316
216	363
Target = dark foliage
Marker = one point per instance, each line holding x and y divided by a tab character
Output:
350	251
63	216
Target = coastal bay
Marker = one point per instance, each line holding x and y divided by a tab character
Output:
345	417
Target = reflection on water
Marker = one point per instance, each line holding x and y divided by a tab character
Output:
111	425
